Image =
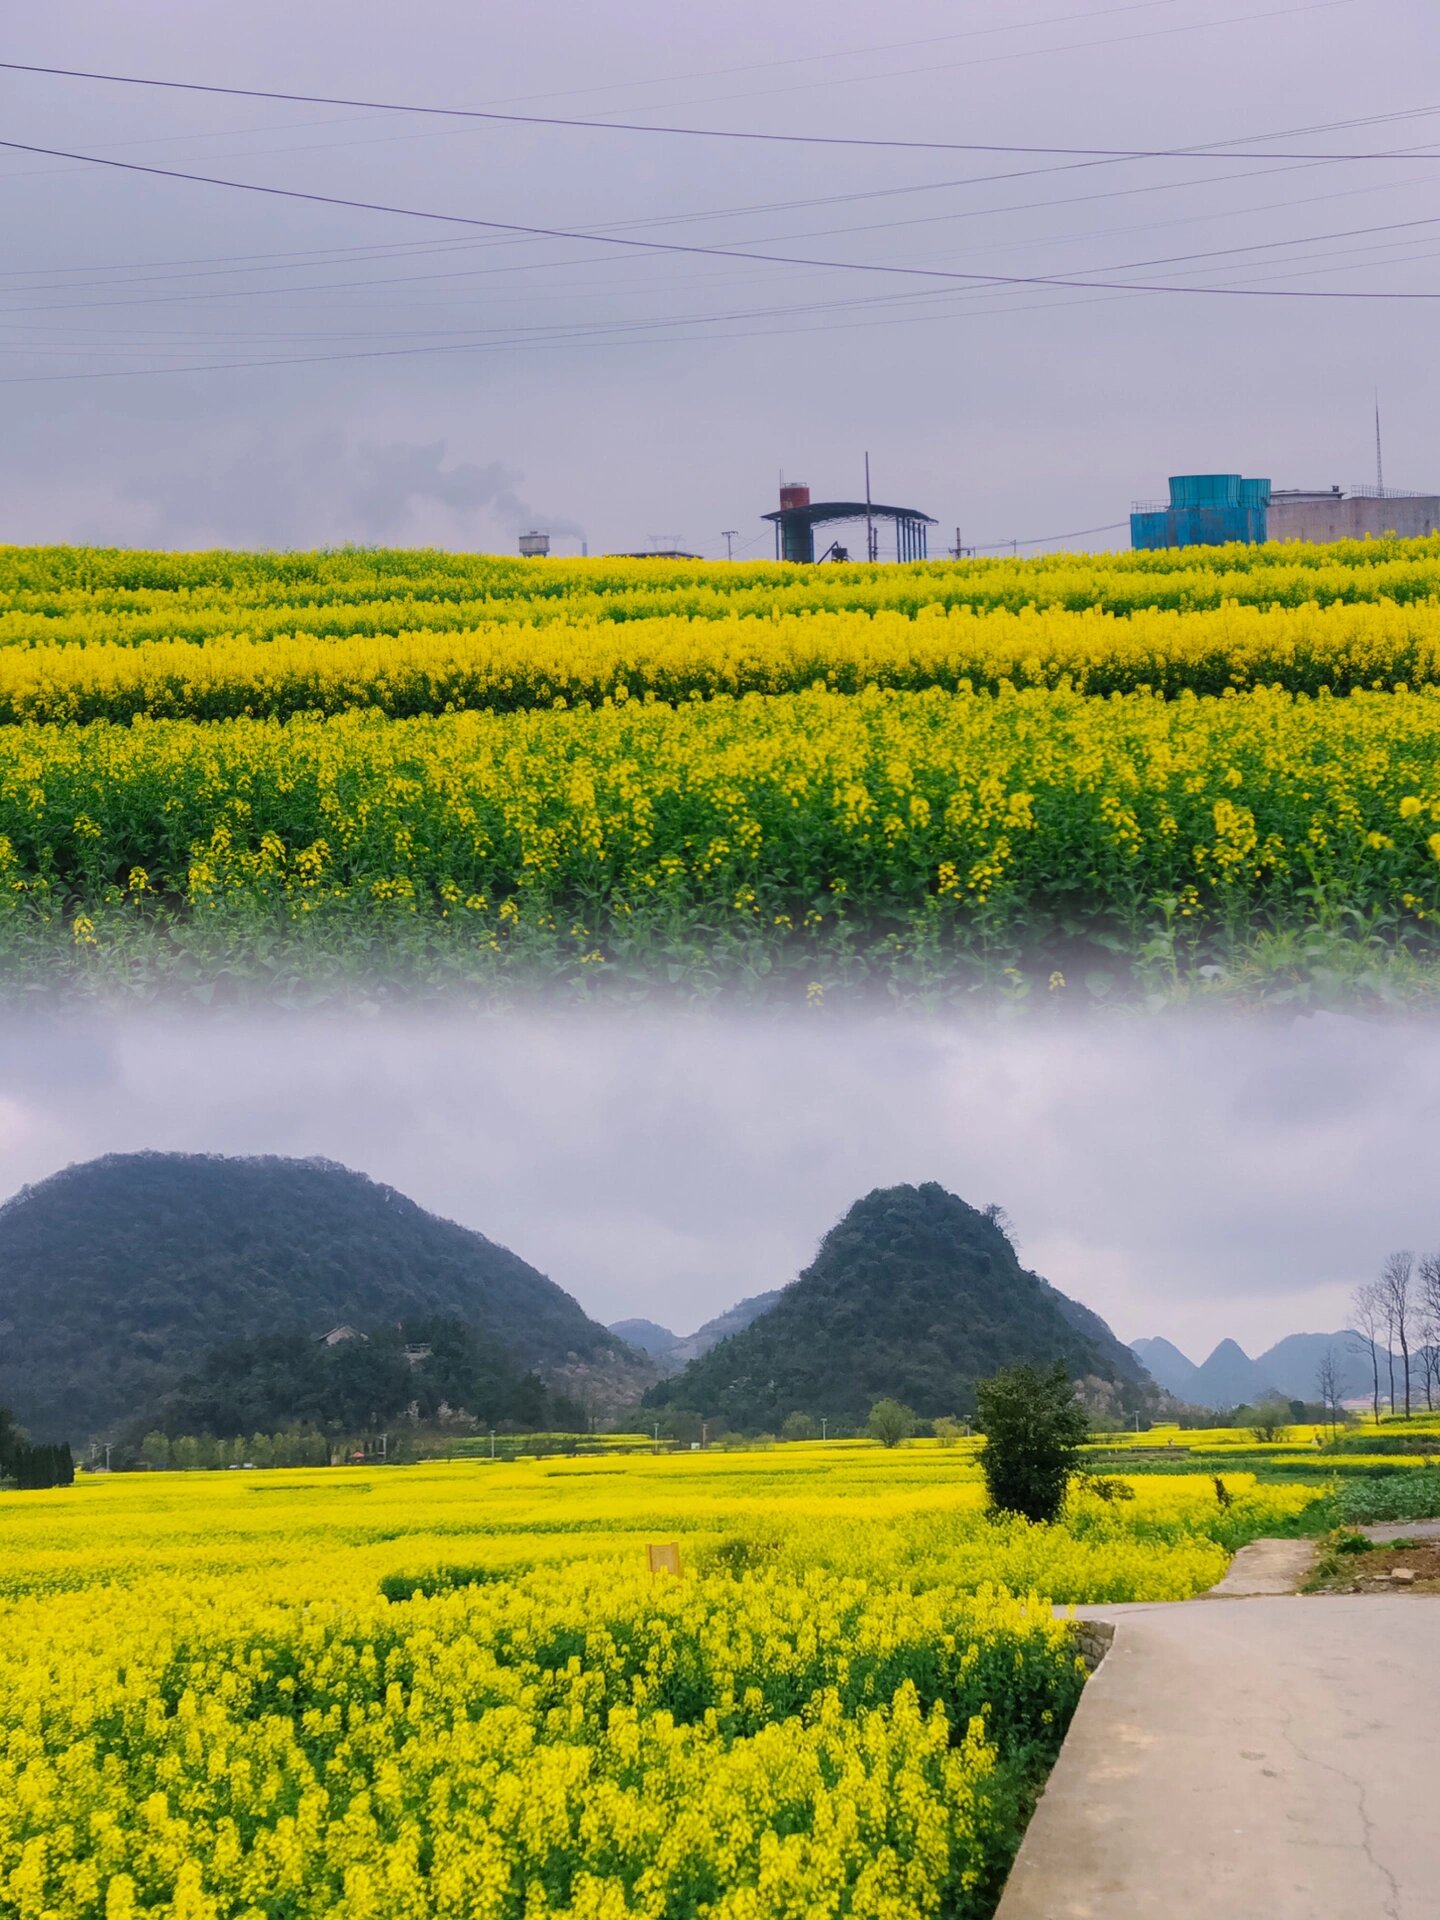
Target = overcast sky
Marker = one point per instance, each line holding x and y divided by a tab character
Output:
1014	412
1192	1180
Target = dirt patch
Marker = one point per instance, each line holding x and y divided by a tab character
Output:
1392	1568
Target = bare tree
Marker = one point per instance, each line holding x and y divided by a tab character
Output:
1368	1315
1396	1280
1428	1280
1327	1379
998	1217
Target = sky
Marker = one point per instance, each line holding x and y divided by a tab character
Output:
1198	1179
456	385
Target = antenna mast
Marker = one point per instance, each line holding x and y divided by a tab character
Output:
1379	455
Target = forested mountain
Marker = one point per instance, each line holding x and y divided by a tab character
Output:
120	1276
734	1320
914	1294
672	1351
366	1379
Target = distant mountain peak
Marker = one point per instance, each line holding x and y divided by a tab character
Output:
1290	1369
646	1335
913	1293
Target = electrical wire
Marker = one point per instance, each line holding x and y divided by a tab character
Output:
400	249
715	253
624	333
1211	152
1051	539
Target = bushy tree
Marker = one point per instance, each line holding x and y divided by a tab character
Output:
947	1431
800	1426
1034	1429
1271	1421
890	1422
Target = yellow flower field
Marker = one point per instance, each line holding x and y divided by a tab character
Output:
1200	772
502	666
454	1689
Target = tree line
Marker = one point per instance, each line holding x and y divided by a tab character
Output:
27	1465
1399	1308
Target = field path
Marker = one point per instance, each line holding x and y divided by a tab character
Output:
1275	1757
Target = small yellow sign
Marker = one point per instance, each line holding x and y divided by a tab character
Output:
665	1557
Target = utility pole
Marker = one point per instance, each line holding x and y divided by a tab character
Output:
492	1443
824	1428
107	1456
870	551
729	534
657	1436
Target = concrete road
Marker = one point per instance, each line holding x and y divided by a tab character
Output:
1261	1759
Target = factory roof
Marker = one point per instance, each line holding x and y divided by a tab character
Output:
819	511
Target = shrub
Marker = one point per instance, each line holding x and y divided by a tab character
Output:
890	1422
1034	1429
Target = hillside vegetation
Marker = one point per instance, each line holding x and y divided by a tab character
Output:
914	1294
118	1278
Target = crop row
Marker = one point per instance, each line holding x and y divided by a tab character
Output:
778	830
81	595
504	667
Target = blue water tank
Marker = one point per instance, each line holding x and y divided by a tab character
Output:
1205	489
1206	510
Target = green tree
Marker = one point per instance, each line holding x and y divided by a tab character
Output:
185	1454
800	1426
1270	1422
890	1422
155	1450
947	1431
1034	1429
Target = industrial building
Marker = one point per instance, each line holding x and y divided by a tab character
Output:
799	516
1204	510
1210	509
1363	511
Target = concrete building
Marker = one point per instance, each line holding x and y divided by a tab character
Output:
1295	514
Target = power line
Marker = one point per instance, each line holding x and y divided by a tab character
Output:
399	249
556	339
713	253
1052	539
11	317
1209	152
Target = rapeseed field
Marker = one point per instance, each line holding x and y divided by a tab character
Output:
455	1690
1177	775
